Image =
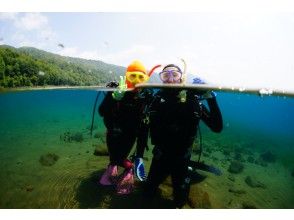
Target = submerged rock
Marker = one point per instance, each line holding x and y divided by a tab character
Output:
237	191
250	159
236	167
29	188
66	137
69	137
205	154
254	183
78	137
268	157
238	156
248	205
292	173
231	177
48	159
199	199
226	152
260	162
101	150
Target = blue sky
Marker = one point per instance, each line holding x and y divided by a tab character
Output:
246	49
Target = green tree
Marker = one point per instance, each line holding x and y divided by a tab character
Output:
2	69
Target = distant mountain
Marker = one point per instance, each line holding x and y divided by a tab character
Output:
28	66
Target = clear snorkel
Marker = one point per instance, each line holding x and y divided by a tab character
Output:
183	94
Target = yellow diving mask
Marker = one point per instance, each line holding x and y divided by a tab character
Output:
136	77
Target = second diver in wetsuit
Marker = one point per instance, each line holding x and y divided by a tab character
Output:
174	119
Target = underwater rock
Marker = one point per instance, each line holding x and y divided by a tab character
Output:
248	205
69	137
100	136
239	150
268	157
238	156
292	173
215	159
260	162
226	152
254	183
232	178
250	159
205	201
205	154
237	191
29	188
100	150
233	204
198	198
48	159
78	137
66	137
236	167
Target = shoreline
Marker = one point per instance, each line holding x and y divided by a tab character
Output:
38	88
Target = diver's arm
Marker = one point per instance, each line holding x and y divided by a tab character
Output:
142	139
213	118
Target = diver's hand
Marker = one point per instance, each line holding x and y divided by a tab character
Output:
139	169
207	95
119	94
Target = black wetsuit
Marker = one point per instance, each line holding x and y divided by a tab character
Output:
173	129
123	120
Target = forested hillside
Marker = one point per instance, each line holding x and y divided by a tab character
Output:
28	66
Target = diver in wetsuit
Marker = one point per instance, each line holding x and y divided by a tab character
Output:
174	119
122	113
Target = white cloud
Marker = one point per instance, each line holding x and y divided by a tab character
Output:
31	21
122	57
26	21
69	51
47	34
7	16
125	56
76	52
30	29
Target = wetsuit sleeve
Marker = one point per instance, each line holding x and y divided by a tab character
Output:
143	133
105	104
142	140
213	118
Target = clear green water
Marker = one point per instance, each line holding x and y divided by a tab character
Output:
31	124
